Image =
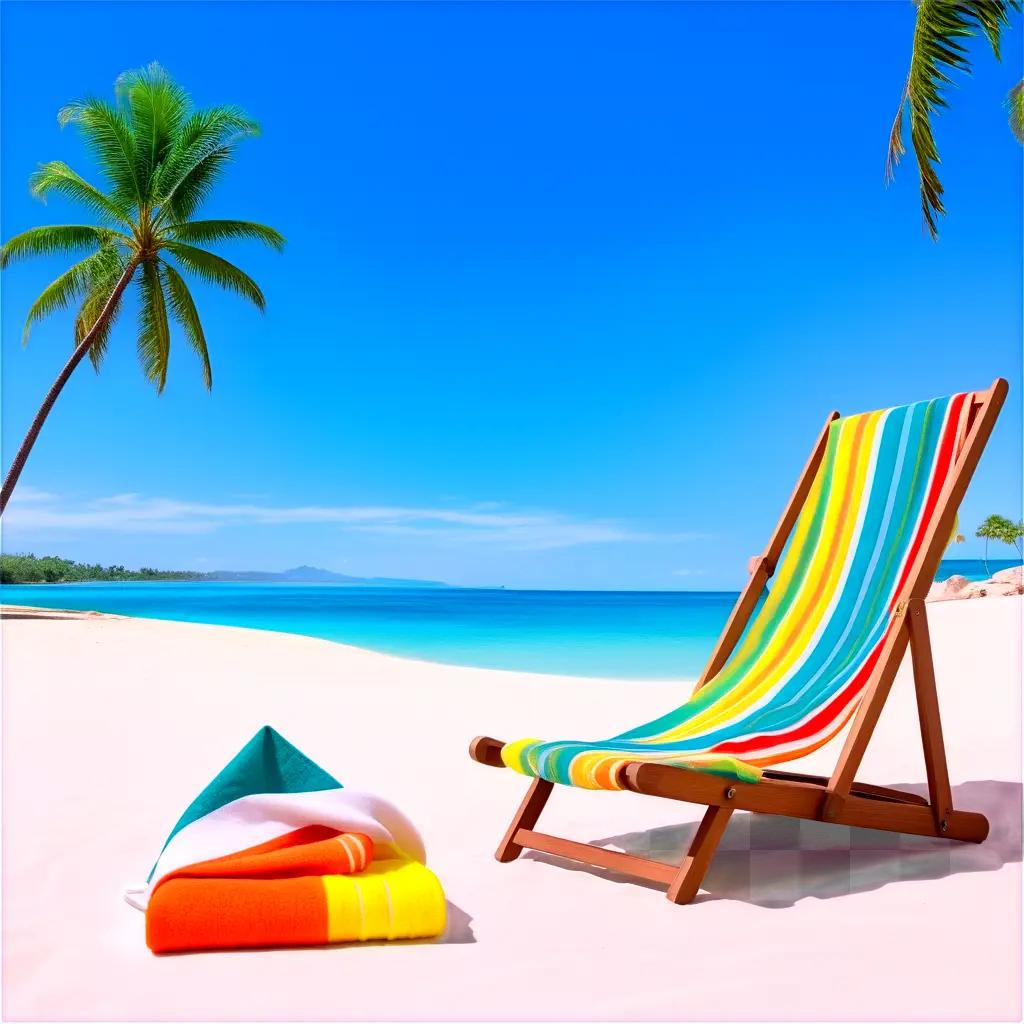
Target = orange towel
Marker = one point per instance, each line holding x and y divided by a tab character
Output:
269	895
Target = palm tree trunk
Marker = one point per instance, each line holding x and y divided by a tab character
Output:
988	572
58	385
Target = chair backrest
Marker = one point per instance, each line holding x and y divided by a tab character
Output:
801	667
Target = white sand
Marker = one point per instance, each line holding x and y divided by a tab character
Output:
112	725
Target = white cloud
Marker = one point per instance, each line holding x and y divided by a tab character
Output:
33	512
33	494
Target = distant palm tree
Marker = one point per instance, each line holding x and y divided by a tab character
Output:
939	27
1002	529
161	160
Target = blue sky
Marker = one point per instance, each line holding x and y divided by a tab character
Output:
569	289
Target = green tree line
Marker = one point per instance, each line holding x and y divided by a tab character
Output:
50	569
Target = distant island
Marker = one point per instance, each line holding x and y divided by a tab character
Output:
51	569
310	574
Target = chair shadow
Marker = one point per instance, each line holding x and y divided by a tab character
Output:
773	862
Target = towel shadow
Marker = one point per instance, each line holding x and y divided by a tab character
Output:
773	862
459	929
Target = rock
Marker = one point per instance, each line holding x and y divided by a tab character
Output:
1014	576
947	590
955	584
989	588
1003	584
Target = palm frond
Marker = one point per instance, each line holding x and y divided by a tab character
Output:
102	280
214	125
56	176
202	131
1015	101
183	309
157	107
216	270
206	144
992	16
939	30
216	230
61	292
154	341
108	134
52	239
189	192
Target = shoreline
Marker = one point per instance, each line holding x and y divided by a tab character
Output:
1003	583
70	614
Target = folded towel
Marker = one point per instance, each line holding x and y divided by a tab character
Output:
274	852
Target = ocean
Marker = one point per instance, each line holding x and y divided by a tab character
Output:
615	634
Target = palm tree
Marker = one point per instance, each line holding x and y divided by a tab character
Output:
1002	529
939	28
161	159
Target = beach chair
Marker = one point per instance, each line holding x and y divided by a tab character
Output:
853	556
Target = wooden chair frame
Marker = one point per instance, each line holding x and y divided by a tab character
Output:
839	798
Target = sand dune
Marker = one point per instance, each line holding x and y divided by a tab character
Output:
111	725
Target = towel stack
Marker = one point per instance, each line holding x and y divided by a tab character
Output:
274	852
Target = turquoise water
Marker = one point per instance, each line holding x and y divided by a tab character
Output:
973	568
618	634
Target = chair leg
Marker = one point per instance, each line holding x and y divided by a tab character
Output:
526	817
695	864
939	792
